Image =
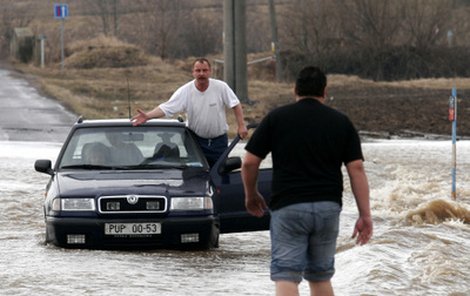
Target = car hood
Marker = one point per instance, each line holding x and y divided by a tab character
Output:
164	182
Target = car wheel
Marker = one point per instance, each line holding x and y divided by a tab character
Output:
47	237
213	240
214	243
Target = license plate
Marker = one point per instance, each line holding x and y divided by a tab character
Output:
132	228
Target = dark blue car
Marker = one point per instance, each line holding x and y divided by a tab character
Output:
119	186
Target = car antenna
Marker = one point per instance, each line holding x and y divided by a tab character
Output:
128	96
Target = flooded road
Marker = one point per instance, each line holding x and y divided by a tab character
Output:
25	115
407	256
420	247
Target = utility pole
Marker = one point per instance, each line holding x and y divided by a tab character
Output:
275	40
42	38
235	69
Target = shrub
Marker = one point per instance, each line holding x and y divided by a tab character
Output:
392	63
104	52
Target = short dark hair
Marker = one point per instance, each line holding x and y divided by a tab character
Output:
202	61
311	81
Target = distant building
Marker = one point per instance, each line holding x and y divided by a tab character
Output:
22	44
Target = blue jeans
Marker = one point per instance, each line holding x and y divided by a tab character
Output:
303	241
213	148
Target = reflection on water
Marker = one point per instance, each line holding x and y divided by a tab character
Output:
420	245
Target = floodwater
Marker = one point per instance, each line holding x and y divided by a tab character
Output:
421	244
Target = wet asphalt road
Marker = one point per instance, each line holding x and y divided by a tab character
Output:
25	115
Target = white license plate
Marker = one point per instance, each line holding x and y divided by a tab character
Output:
132	228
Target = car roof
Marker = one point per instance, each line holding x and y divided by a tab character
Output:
126	122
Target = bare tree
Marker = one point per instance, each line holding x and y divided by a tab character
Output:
258	35
109	13
426	21
372	24
202	35
12	15
158	25
310	28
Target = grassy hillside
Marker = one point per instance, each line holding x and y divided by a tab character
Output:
104	78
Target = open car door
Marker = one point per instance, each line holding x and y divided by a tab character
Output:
230	197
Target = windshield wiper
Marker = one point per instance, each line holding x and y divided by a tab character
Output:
155	166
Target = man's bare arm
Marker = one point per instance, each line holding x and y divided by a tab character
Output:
360	187
254	201
242	130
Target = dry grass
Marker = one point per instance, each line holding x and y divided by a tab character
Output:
105	90
428	83
104	52
435	83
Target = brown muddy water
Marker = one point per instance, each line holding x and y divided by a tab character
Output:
420	246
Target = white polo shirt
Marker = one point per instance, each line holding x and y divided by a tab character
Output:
205	110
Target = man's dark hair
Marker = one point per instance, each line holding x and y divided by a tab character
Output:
311	81
202	61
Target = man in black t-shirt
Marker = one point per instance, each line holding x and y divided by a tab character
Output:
309	143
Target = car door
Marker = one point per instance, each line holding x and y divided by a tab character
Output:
229	195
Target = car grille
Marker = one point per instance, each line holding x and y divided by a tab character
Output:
132	204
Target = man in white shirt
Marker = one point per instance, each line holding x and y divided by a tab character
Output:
204	100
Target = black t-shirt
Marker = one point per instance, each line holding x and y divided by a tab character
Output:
309	142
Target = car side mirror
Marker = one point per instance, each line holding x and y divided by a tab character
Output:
44	166
230	164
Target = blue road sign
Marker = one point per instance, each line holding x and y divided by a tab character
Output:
61	11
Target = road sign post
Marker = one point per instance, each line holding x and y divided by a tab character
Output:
453	119
61	12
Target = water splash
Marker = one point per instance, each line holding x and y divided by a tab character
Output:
438	211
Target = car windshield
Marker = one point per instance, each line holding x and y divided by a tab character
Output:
143	147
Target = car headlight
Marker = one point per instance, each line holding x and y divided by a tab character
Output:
191	203
73	204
